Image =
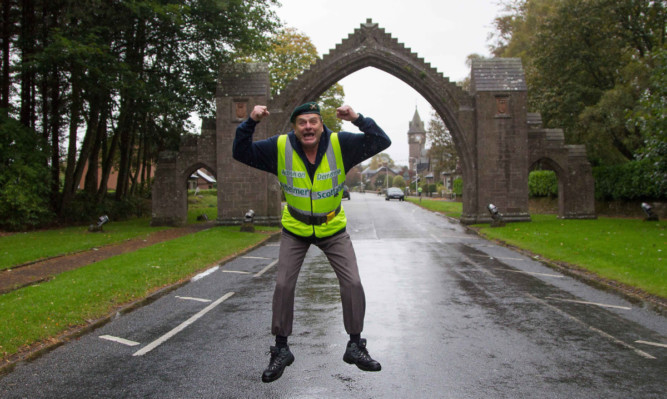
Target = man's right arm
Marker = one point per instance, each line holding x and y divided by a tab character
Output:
262	154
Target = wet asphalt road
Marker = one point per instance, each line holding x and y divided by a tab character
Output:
449	315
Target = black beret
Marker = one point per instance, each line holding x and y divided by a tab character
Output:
307	108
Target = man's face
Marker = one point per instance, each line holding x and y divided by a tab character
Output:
308	129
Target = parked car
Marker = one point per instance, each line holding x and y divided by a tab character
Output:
346	192
394	193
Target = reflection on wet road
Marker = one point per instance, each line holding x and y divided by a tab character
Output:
449	315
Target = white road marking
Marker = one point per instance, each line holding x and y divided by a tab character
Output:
205	273
235	271
181	326
272	245
651	343
604	334
604	305
189	298
255	257
119	340
496	257
270	265
533	273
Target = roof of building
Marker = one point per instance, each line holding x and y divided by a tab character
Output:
498	74
201	174
416	125
372	172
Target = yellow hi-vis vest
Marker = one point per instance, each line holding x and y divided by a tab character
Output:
307	198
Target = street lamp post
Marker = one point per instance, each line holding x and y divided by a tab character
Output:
386	177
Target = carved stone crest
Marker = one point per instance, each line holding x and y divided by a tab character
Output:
240	110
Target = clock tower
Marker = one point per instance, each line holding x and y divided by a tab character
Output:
416	139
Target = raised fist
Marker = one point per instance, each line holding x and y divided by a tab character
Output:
259	112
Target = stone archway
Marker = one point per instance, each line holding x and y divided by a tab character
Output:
576	194
169	193
489	126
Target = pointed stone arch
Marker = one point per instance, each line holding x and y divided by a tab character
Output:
489	127
370	46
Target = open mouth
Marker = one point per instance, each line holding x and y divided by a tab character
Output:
308	135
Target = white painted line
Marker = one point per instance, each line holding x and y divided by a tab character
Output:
235	271
255	257
181	326
604	334
205	273
189	298
119	340
651	343
272	245
533	273
496	257
270	265
604	305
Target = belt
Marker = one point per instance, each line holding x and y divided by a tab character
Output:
313	220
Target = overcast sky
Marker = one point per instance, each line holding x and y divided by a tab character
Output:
442	32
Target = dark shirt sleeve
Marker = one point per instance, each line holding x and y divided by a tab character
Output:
262	154
357	148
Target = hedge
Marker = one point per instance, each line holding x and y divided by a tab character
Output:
542	183
457	186
636	180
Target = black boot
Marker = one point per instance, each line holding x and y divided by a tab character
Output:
358	354
280	358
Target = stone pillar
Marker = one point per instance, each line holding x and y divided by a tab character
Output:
499	89
168	196
579	186
240	187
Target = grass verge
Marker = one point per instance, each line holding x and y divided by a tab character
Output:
449	208
20	248
35	313
630	251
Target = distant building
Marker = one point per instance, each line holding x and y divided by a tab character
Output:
417	144
202	180
371	175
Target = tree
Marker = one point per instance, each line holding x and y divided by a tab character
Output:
290	54
649	118
380	160
442	152
398	181
23	177
353	176
123	75
587	64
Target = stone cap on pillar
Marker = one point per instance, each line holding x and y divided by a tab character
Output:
497	74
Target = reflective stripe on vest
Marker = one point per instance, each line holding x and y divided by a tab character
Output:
312	198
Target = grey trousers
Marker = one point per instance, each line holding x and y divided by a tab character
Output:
340	253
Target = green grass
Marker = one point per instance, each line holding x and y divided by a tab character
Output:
20	248
630	251
35	313
449	208
206	203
